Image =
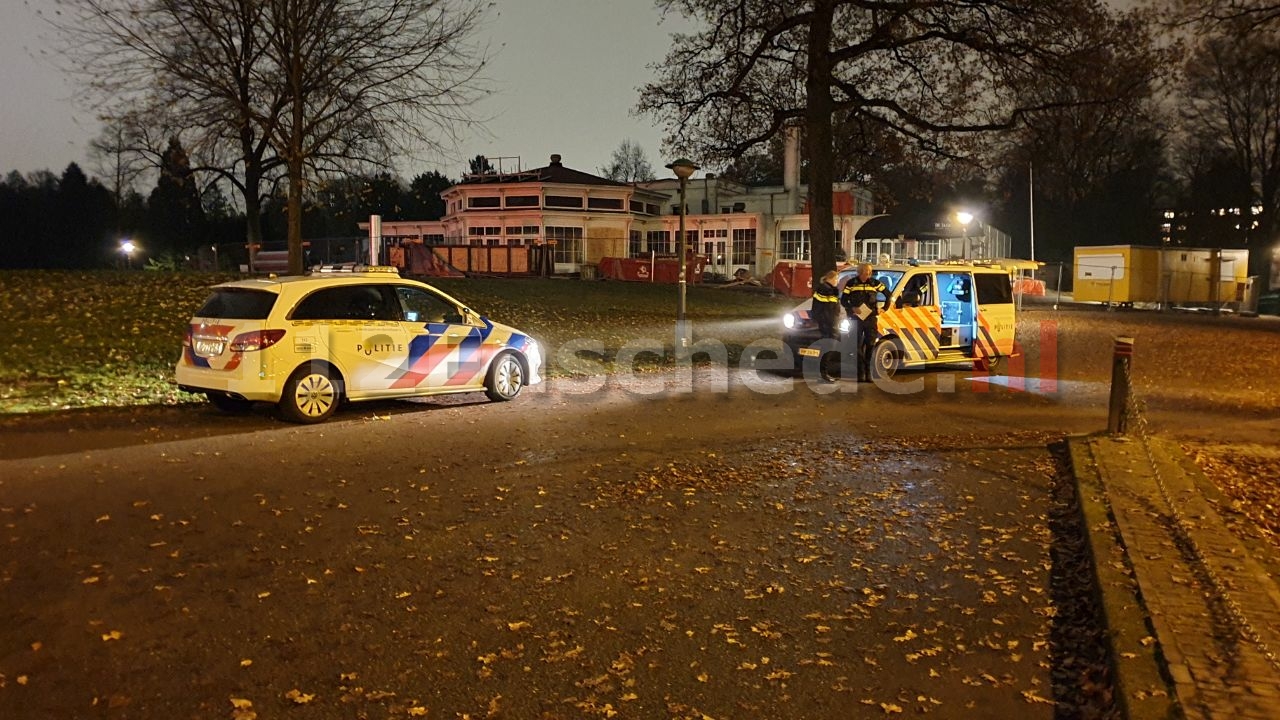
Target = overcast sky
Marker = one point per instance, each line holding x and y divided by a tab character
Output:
566	74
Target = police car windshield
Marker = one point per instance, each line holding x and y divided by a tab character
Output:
890	278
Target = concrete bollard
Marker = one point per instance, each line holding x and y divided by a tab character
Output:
1118	412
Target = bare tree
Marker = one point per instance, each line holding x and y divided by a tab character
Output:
1246	13
1232	95
257	86
117	157
196	70
628	164
931	71
366	78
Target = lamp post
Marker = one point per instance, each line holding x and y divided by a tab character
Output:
683	168
128	247
964	217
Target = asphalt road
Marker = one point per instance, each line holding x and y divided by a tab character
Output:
631	549
624	547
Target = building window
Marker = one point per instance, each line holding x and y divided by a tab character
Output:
568	243
722	232
493	241
481	231
793	245
659	242
928	250
637	207
563	201
744	246
523	201
519	235
484	202
650	209
433	239
604	203
635	244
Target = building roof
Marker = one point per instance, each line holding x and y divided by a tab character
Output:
555	172
915	225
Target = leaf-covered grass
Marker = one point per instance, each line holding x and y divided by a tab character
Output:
78	339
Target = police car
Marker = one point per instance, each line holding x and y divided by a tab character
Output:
308	343
938	315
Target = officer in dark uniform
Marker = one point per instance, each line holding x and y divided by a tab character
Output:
859	297
826	304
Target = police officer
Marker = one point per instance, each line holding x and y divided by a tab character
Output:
860	297
826	304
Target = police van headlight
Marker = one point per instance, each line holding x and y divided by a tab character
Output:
789	321
845	325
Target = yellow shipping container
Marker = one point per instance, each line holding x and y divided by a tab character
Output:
1128	274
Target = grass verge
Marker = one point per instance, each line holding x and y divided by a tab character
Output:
84	339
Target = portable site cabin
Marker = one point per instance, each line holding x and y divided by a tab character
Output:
1128	274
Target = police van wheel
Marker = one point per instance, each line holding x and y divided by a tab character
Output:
997	365
506	378
311	394
886	358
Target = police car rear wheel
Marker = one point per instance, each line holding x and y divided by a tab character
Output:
310	396
506	378
886	358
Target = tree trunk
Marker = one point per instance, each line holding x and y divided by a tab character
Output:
818	139
295	215
252	216
296	139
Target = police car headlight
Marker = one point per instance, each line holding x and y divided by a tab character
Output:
533	353
845	325
788	321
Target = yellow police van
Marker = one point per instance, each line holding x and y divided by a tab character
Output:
939	314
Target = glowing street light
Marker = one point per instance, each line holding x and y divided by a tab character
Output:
128	247
683	168
964	217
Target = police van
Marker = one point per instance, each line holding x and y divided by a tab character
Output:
939	314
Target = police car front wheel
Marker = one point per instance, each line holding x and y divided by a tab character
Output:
310	395
506	378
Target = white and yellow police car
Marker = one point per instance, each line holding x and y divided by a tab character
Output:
939	314
310	342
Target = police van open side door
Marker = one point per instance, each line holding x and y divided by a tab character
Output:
958	310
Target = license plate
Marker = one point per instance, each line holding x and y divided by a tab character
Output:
208	347
809	352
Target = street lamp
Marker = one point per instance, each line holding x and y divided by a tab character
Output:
964	217
128	247
683	168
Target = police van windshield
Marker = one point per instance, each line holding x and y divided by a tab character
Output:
890	278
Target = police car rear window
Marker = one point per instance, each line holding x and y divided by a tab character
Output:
993	288
238	304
